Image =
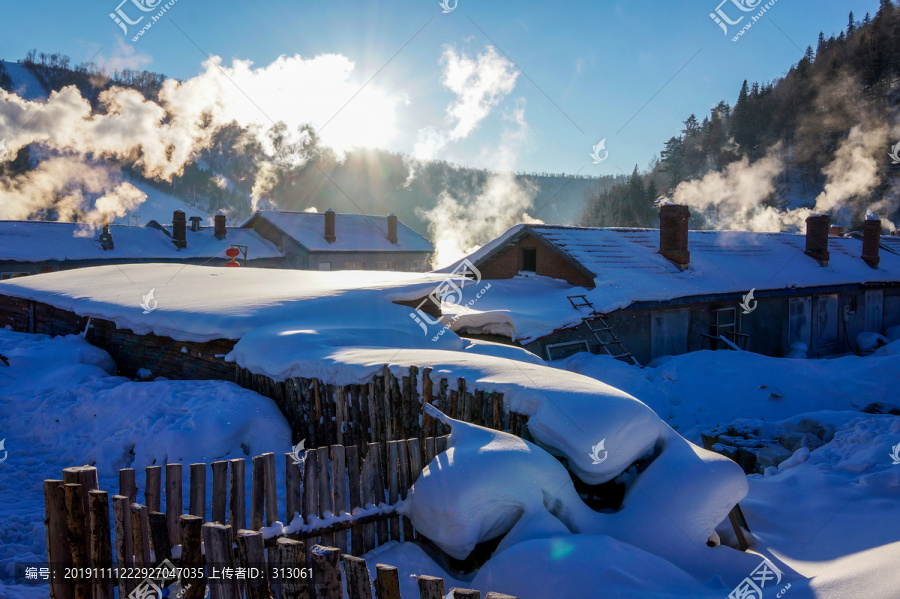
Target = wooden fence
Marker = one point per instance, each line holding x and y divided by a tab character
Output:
337	493
385	409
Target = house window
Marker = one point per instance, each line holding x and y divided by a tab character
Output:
386	265
800	320
827	319
529	259
669	333
726	323
560	351
874	311
324	265
418	265
351	265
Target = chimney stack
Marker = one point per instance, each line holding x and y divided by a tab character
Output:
835	231
106	240
673	233
817	227
220	226
195	223
392	228
329	226
179	236
871	240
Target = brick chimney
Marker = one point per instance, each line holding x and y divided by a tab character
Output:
673	233
392	228
871	240
817	227
835	231
329	226
220	226
179	237
106	240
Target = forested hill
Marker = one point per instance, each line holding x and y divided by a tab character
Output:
800	122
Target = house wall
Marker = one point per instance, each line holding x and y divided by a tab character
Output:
8	268
369	259
768	325
508	262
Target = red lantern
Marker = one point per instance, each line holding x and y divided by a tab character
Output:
232	253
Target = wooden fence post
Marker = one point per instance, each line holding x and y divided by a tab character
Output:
325	499
430	587
465	593
191	554
353	485
326	572
127	484
394	486
293	482
271	489
124	541
310	486
57	541
292	554
257	493
198	491
387	582
429	450
403	450
77	534
140	533
358	585
159	536
174	501
428	423
86	476
219	491
251	549
101	546
217	542
339	486
152	485
368	497
238	504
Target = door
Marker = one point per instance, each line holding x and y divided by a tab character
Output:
874	310
800	321
669	333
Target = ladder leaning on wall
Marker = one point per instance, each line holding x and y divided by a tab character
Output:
601	331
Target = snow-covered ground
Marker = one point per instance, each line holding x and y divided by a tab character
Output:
826	517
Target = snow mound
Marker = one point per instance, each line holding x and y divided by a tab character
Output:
870	341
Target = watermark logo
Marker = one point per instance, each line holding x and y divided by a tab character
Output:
723	20
149	589
123	20
595	453
296	454
149	302
449	292
749	304
752	586
600	147
894	153
6	453
445	4
894	456
4	153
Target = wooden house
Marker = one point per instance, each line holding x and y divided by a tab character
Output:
645	293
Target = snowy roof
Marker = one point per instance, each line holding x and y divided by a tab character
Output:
37	241
353	232
890	243
721	261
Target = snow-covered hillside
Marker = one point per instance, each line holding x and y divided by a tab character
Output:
24	83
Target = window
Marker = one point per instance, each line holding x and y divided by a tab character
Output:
726	322
351	265
386	265
800	321
559	351
418	265
669	333
827	319
874	311
529	259
324	265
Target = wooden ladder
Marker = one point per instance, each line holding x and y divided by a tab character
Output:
603	333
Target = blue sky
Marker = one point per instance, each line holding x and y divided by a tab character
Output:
629	72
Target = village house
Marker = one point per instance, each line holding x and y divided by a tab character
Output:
329	241
639	294
34	247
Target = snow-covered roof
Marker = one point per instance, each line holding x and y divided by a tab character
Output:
353	232
721	261
38	241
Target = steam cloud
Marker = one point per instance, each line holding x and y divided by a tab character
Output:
459	225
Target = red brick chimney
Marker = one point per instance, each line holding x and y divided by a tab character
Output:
220	226
392	228
673	233
329	226
835	231
871	240
179	237
817	227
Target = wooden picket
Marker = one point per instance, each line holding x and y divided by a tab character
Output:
331	478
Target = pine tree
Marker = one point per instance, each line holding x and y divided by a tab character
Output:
851	25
